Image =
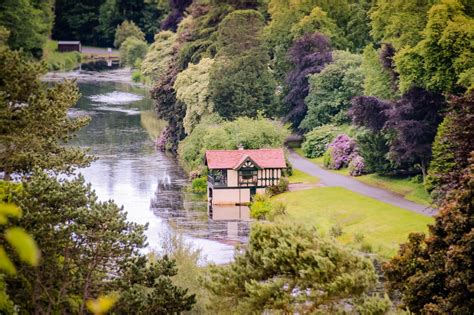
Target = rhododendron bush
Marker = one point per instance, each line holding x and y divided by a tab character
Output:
342	152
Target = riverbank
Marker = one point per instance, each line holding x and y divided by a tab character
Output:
122	75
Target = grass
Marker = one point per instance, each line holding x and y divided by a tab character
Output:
58	61
301	177
383	226
404	186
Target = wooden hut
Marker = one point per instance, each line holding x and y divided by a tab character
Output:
66	46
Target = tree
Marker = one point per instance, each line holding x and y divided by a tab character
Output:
192	88
309	55
409	124
88	247
441	60
159	55
29	23
132	50
176	15
434	273
125	30
240	82
331	91
399	22
290	269
377	81
452	147
34	124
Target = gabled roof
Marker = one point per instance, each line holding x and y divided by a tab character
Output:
232	159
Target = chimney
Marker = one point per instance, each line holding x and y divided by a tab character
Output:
240	147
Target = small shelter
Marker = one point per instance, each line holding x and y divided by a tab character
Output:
236	175
67	46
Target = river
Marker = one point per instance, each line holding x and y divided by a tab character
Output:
148	183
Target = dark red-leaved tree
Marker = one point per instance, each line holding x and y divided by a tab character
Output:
434	273
176	15
411	121
309	55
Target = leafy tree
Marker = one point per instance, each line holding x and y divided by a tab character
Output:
176	15
317	140
34	123
373	147
159	55
125	30
87	248
434	273
377	81
240	82
239	32
290	269
410	124
440	61
29	23
331	91
214	134
192	88
309	55
452	147
131	50
399	22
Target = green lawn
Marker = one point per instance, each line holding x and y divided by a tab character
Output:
404	186
383	226
60	61
301	177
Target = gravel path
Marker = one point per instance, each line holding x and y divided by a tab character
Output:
331	179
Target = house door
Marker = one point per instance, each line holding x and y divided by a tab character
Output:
253	192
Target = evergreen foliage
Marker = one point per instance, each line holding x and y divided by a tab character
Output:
34	124
132	50
376	78
288	268
125	30
159	55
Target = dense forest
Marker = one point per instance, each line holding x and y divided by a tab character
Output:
380	87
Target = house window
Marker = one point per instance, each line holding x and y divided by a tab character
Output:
248	177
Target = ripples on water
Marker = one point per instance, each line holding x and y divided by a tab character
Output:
149	184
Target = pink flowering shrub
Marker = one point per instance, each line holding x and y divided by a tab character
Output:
342	152
163	139
357	165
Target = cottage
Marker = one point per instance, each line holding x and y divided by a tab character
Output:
236	175
66	46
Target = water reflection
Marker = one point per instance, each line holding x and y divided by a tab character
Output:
147	183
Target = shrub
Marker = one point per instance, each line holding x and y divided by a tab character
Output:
260	206
278	209
125	30
281	187
336	230
136	76
199	185
356	166
373	148
342	151
131	50
317	141
327	158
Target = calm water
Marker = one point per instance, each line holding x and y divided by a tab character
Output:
148	183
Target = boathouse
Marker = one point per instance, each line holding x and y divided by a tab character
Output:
66	46
236	175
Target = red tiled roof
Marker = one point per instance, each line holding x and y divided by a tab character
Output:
264	158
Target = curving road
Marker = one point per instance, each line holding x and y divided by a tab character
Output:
331	179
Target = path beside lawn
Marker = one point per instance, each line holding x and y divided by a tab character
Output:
331	179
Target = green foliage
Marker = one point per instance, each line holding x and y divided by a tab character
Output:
192	88
399	22
125	30
374	148
331	90
159	55
374	305
317	140
213	134
377	80
199	185
445	53
327	158
433	272
279	188
34	124
88	248
29	23
452	147
292	269
102	304
242	86
260	206
131	50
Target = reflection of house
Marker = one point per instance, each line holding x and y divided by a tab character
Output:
236	175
